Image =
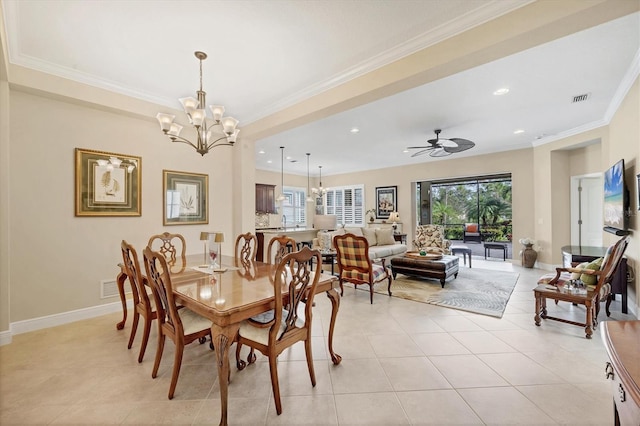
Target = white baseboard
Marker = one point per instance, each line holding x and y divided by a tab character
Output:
5	337
34	324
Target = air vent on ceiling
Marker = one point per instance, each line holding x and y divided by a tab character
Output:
581	98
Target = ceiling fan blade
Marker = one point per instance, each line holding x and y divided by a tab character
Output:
462	145
424	151
418	147
439	152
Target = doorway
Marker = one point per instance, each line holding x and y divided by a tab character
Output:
586	210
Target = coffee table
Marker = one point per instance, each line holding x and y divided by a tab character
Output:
441	269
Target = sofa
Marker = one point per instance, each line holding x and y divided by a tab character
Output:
382	245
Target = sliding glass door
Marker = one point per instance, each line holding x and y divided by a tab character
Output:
485	200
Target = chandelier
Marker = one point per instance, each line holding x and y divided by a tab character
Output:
222	131
320	191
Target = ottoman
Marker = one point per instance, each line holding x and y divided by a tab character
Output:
426	268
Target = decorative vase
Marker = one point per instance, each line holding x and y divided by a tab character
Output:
529	256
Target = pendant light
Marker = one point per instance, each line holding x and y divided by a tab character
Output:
309	197
319	192
281	197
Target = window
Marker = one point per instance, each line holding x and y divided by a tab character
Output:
485	200
347	203
294	206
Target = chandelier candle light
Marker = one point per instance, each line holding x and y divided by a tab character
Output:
194	108
115	162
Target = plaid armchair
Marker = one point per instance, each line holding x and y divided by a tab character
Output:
431	239
355	266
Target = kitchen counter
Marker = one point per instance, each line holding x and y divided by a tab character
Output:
266	234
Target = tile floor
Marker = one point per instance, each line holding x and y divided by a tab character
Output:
404	363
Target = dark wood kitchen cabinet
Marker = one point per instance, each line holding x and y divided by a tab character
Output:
265	198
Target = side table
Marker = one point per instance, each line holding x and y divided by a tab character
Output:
402	238
460	248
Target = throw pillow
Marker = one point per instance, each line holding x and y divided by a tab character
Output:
384	237
355	231
591	279
471	227
370	235
576	275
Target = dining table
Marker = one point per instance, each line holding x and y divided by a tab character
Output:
227	296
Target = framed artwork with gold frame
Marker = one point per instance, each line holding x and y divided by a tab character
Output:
184	198
103	189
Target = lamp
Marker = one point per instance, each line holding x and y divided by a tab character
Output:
309	197
204	236
394	217
325	222
281	197
194	108
115	162
320	191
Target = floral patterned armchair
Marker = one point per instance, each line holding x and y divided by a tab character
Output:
431	239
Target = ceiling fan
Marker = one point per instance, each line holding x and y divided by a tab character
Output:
443	147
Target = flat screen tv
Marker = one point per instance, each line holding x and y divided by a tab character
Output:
616	200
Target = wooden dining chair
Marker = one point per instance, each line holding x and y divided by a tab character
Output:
553	287
355	266
143	305
246	247
182	326
278	247
285	327
173	247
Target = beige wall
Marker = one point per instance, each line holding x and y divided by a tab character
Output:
556	162
57	260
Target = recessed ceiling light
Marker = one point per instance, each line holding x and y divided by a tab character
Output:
269	161
261	151
354	130
288	157
405	150
501	91
517	132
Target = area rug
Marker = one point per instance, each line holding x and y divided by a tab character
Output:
475	290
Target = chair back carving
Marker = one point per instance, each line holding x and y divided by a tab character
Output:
246	247
294	276
172	247
279	247
157	269
431	238
132	269
610	265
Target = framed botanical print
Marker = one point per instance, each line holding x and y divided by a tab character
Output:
107	184
185	198
386	201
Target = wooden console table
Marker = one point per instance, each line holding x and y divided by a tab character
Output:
622	341
573	255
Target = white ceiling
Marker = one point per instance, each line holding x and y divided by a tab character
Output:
266	55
